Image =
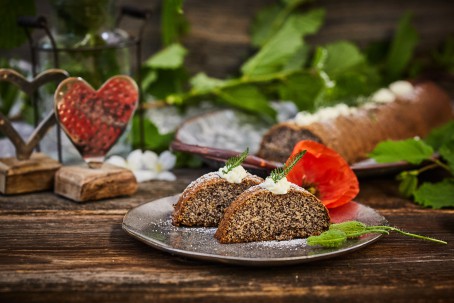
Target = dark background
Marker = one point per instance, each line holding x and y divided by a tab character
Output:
218	38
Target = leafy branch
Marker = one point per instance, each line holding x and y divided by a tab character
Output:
418	152
338	234
281	172
235	161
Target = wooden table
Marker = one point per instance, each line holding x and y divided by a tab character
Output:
54	250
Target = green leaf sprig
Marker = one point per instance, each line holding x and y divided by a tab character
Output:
338	234
235	161
280	172
421	152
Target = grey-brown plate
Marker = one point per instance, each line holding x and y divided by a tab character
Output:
219	135
151	224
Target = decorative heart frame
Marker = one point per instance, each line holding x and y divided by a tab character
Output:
25	149
95	119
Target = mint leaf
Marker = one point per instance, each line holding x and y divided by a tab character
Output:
247	97
309	22
338	57
201	83
411	150
436	195
440	135
299	59
402	47
274	55
447	152
360	80
271	19
171	57
302	88
408	183
267	22
331	238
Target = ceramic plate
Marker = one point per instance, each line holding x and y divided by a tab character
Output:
219	135
151	223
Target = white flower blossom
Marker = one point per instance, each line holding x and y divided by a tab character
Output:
147	165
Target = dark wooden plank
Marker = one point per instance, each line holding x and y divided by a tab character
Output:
54	250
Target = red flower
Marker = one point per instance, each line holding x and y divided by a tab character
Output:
325	173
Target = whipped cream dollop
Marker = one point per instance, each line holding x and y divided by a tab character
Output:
236	175
399	89
383	95
323	114
402	89
279	188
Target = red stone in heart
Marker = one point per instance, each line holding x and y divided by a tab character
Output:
94	120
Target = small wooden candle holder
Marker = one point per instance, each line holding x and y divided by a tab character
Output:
26	176
81	183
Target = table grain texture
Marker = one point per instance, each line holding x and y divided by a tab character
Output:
55	250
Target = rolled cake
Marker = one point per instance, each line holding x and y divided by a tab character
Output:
203	202
355	132
260	215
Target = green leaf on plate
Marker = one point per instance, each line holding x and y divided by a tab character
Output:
331	238
402	47
408	183
441	135
436	195
413	151
247	97
351	228
171	57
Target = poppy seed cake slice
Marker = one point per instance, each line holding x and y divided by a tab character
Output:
203	202
259	215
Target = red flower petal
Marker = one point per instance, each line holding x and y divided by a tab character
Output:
325	169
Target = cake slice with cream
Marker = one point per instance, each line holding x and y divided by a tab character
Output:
274	210
203	202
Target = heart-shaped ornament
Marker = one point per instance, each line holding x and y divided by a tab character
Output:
25	148
94	120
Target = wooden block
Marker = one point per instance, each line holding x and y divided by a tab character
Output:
81	184
26	176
